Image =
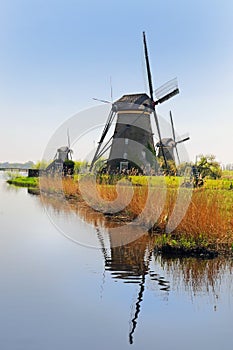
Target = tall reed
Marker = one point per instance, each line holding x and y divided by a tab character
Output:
208	217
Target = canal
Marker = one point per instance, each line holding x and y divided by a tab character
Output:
68	283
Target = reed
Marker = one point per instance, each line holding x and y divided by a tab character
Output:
207	222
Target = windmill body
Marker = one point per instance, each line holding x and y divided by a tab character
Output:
168	147
132	141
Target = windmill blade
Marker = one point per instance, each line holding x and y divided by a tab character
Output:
177	142
70	152
151	96
68	138
99	100
183	140
166	91
177	154
104	149
174	137
172	125
148	67
104	133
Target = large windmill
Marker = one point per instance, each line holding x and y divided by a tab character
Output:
167	145
132	144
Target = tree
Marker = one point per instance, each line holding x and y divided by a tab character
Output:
41	164
80	166
208	166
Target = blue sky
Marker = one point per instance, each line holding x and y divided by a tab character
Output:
56	55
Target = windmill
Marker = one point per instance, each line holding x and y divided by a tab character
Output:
132	144
62	161
64	153
167	145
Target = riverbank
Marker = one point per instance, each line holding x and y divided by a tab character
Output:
23	181
206	229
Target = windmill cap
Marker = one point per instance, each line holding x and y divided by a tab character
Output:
167	142
134	102
63	149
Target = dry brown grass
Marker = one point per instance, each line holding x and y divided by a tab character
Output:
208	217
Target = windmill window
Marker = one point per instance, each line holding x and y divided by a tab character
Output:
124	166
125	155
126	141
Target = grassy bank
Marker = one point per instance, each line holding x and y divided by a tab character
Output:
23	181
206	227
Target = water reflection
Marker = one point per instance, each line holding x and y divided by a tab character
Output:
131	264
136	263
198	276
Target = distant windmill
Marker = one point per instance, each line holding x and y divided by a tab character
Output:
61	157
64	153
169	144
132	144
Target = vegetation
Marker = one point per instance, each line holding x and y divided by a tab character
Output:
227	174
80	167
208	222
23	181
41	164
209	167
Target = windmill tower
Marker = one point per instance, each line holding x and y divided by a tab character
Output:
131	145
132	138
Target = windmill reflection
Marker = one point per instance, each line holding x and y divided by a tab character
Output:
130	263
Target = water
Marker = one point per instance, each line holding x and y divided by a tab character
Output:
57	294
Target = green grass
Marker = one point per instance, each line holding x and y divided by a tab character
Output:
170	181
24	181
227	174
181	242
220	184
225	183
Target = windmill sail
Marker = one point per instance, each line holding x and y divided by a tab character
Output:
166	91
152	97
174	137
108	124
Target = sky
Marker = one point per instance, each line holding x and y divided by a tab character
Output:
56	55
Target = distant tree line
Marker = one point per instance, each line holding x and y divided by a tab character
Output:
27	165
228	166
